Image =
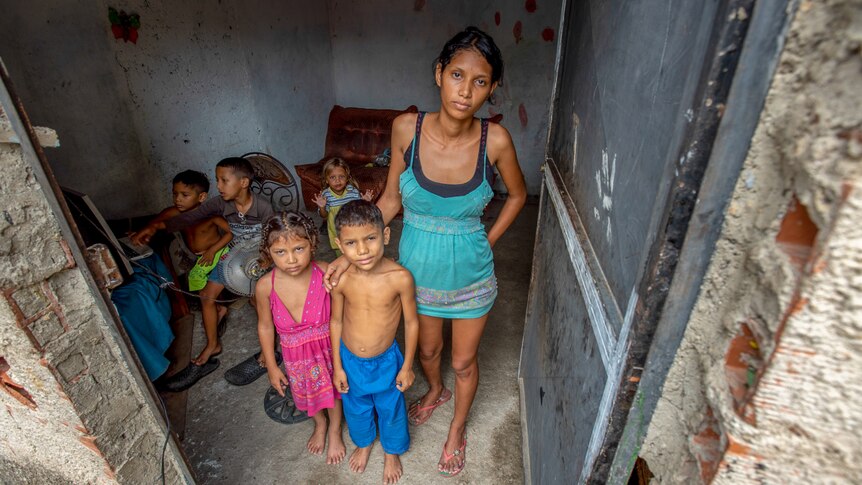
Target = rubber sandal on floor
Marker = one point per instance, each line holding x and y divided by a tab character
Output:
282	409
443	399
248	370
189	376
459	452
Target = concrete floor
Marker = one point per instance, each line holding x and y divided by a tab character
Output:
229	438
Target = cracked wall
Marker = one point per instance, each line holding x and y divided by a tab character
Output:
766	383
75	411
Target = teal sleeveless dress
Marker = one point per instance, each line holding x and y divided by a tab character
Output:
443	243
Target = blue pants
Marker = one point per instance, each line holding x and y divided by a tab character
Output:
372	389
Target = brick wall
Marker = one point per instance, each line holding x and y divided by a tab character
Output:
766	387
75	409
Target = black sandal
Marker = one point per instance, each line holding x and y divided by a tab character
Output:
189	376
282	409
248	370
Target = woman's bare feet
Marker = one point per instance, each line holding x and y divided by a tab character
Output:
317	442
336	451
359	458
206	353
420	411
454	450
391	469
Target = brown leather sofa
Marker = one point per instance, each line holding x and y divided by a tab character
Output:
357	135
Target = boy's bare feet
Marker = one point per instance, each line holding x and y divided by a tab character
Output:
391	469
335	453
359	458
206	353
317	441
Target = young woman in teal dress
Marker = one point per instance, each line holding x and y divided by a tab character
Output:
441	173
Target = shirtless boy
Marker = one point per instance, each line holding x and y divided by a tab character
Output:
369	370
208	238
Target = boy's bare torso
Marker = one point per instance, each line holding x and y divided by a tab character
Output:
202	236
372	307
198	237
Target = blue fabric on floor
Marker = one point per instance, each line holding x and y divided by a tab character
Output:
145	311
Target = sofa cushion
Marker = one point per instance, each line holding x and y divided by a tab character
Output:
358	135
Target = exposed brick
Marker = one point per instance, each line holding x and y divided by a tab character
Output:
743	368
70	260
74	297
708	446
30	300
140	469
90	442
797	234
45	330
122	407
85	394
73	367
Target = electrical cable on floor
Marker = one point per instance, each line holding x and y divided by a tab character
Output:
167	434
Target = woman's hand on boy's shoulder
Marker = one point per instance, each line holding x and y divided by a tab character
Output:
334	272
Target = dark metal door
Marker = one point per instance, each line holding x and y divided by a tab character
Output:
640	94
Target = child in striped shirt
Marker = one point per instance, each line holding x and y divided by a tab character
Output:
340	189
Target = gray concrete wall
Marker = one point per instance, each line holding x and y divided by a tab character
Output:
765	386
204	81
74	408
383	54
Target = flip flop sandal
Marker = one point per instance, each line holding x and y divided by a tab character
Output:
189	376
445	396
282	408
248	370
459	452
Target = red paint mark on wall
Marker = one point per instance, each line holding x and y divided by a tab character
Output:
497	17
522	114
530	6
518	31
418	5
548	34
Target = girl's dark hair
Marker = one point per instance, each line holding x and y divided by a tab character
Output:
284	225
475	39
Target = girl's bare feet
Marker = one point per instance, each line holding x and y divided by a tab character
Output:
317	442
391	469
336	450
359	458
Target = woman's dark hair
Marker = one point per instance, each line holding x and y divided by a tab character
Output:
284	225
475	39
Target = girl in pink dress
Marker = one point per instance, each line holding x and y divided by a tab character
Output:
291	298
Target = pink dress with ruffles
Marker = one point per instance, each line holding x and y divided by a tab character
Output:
306	347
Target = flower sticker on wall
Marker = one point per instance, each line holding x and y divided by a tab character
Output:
124	26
